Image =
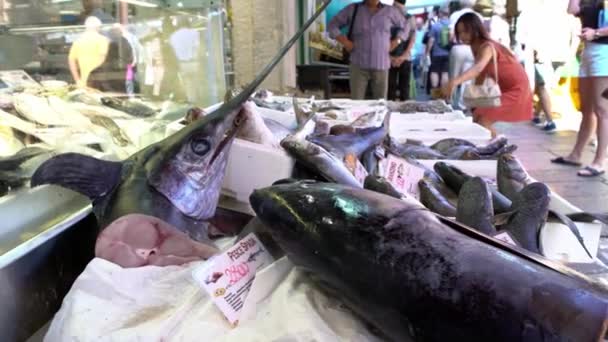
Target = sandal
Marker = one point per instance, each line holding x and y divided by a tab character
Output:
564	161
589	171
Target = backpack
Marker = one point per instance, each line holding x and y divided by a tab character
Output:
444	37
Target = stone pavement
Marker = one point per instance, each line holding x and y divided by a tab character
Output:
537	148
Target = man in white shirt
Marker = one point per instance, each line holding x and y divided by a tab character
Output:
461	55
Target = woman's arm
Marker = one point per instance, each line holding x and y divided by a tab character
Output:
485	56
574	7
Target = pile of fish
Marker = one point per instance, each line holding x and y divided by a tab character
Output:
66	119
431	107
516	204
452	148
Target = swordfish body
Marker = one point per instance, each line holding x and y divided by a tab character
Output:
418	279
177	180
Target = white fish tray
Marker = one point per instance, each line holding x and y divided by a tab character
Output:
431	131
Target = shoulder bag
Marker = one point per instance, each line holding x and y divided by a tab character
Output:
345	53
486	94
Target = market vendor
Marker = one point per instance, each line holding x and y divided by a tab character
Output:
88	52
507	72
369	44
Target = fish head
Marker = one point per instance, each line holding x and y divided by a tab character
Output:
509	166
188	168
312	221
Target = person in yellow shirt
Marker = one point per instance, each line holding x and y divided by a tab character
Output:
88	52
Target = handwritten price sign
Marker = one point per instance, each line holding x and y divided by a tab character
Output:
402	175
228	277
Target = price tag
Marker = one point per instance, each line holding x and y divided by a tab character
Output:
504	236
227	278
403	175
355	167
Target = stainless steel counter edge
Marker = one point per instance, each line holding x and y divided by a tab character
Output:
31	217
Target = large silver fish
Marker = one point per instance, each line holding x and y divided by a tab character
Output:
417	278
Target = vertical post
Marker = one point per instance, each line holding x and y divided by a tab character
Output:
123	12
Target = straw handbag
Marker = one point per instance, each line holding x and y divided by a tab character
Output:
486	94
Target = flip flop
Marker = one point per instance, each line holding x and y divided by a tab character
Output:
564	161
589	171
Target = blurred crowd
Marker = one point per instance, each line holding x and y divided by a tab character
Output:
469	46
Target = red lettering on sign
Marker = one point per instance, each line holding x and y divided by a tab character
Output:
237	272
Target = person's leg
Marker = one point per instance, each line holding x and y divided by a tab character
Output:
405	72
600	106
358	82
393	78
434	80
589	121
379	83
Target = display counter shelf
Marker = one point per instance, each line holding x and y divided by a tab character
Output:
47	237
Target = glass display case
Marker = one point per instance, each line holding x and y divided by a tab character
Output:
155	49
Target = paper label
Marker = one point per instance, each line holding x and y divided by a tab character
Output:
355	167
504	236
227	278
403	175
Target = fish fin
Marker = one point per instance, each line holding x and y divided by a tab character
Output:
573	228
502	218
89	176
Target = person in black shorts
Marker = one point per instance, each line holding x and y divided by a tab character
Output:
438	47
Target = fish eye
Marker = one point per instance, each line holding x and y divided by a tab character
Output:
200	146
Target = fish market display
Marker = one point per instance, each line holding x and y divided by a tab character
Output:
176	180
434	200
417	278
41	110
453	148
9	144
431	107
133	107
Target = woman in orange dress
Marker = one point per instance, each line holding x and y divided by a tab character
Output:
516	99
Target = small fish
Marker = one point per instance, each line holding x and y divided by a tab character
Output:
132	107
342	129
443	146
117	133
531	209
475	207
301	115
414	270
353	143
365	120
316	158
413	151
511	176
40	110
493	146
431	198
254	128
462	152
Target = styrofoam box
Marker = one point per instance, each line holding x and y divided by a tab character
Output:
431	131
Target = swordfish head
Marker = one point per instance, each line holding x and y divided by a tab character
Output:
188	168
185	169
